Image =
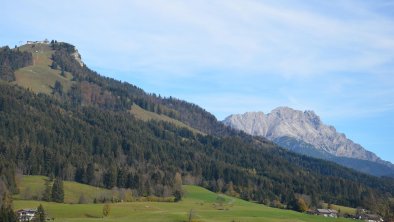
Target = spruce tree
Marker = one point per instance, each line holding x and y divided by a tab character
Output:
58	88
40	216
58	191
46	196
6	212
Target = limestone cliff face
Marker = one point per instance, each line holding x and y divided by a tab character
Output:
305	126
77	57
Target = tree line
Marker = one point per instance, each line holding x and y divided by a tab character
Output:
10	60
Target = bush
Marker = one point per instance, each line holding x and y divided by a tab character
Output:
106	210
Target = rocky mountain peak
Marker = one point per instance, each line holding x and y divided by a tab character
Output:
313	118
301	125
283	112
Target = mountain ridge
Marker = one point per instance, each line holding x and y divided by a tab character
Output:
305	126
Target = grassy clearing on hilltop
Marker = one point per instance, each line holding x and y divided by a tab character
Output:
39	77
202	204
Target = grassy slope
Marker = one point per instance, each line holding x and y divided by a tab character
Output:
35	185
202	201
342	209
40	77
145	115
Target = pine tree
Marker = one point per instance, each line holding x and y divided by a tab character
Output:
6	212
40	216
46	196
58	191
90	174
57	88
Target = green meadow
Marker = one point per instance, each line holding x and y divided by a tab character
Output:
198	203
342	209
32	187
39	77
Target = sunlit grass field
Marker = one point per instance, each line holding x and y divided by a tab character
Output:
198	202
39	77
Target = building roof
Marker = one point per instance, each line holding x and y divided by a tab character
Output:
28	210
327	211
324	211
373	216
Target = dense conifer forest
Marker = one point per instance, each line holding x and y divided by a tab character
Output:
10	60
88	135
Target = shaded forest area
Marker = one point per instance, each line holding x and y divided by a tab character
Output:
11	60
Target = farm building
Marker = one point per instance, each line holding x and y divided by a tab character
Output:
26	214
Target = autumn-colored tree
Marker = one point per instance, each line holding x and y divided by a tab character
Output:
302	206
106	210
178	187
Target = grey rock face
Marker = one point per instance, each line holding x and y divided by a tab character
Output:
305	126
77	57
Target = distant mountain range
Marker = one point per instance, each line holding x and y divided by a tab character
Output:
305	133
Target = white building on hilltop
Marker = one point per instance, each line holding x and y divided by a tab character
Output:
46	41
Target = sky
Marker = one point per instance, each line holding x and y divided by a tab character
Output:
233	56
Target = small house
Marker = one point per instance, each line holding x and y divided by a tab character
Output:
371	218
26	214
327	213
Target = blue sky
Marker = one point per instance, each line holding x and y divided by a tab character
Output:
229	56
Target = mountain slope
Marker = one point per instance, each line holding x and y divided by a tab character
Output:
88	134
38	77
206	206
305	133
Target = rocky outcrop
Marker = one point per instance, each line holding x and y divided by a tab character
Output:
77	57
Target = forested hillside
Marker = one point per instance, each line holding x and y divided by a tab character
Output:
87	134
12	60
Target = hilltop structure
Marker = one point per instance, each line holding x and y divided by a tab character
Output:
45	41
